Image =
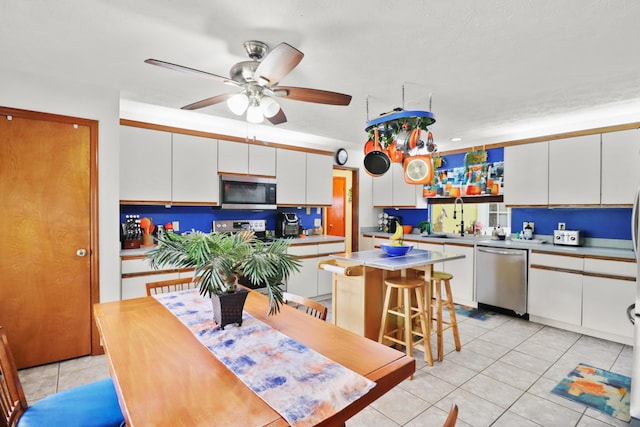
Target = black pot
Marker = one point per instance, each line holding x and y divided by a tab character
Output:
227	308
376	162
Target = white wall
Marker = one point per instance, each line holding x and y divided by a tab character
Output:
101	104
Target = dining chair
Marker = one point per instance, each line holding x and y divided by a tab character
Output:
309	306
164	286
90	405
452	417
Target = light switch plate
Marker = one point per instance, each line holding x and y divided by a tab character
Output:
176	225
317	222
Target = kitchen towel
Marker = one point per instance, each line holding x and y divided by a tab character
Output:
596	388
302	385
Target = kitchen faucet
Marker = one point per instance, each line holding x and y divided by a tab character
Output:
455	204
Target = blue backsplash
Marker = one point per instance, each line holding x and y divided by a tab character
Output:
200	217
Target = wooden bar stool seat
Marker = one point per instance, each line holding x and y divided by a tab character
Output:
441	284
405	333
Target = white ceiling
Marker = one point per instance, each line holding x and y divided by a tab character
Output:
497	70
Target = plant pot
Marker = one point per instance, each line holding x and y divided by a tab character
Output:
227	308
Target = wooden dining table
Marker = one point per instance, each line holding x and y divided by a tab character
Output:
164	376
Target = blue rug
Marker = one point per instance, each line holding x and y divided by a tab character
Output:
473	312
596	388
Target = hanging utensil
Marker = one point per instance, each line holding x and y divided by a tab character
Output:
376	162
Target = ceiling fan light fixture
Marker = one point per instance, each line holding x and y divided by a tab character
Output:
254	114
269	106
238	103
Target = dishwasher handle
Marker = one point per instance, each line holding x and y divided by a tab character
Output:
631	314
517	252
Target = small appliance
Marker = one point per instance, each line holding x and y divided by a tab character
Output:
568	237
287	224
247	192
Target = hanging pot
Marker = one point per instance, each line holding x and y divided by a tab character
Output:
376	162
368	146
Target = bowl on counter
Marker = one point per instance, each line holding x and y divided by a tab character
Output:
406	229
393	250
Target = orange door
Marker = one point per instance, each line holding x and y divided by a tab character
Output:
45	285
336	213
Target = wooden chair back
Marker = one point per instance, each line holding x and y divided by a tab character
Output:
452	417
164	286
309	306
12	400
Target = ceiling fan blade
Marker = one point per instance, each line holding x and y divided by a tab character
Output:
209	101
278	118
278	63
183	69
312	95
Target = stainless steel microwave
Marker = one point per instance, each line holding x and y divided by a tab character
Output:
247	192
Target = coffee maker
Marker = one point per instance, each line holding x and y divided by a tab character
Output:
287	224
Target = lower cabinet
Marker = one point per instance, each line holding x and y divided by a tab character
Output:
555	295
136	272
588	295
462	270
310	281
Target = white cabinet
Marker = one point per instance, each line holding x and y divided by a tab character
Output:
233	157
311	281
304	179
391	190
319	175
605	303
262	160
590	295
555	295
526	174
366	242
291	172
136	272
195	175
574	171
437	247
462	270
145	165
620	166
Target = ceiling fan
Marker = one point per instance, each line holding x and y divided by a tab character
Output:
258	80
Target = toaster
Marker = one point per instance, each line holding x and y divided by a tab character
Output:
568	237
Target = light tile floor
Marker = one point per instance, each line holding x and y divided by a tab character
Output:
502	377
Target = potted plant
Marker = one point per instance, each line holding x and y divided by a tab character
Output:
219	259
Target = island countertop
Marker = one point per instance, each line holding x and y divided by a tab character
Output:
377	258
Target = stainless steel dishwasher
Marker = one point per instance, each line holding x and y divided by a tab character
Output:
501	279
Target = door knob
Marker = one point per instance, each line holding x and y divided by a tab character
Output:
81	252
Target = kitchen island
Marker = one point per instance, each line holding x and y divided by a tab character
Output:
358	284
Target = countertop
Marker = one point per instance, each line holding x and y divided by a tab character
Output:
378	259
595	251
294	241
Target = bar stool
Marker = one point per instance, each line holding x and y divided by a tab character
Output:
441	281
404	309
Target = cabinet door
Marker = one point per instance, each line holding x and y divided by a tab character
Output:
574	171
195	174
404	195
262	160
291	172
319	188
437	247
555	295
305	282
324	279
620	166
526	174
145	165
233	157
366	243
462	271
605	303
383	190
135	287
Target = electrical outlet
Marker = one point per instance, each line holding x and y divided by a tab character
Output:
176	226
562	226
317	222
528	224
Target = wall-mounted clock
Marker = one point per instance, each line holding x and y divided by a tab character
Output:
341	156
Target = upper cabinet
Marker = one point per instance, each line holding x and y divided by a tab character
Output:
526	174
195	177
304	179
391	190
620	166
145	165
243	158
574	171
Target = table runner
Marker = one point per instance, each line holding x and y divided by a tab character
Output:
302	385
